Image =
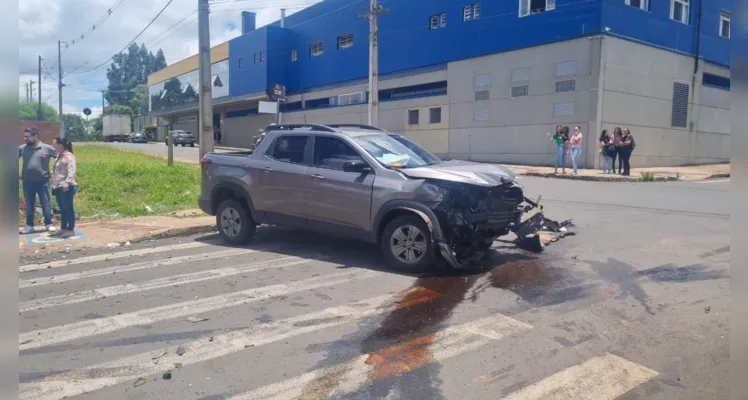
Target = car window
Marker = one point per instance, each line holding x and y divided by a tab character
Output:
289	149
332	153
392	153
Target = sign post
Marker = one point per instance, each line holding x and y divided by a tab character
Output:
279	95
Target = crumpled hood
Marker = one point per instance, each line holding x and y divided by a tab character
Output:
463	171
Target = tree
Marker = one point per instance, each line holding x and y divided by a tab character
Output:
117	109
130	69
139	100
28	111
75	127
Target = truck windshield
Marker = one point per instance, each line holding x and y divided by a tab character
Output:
394	153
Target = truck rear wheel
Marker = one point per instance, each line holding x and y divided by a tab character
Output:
234	223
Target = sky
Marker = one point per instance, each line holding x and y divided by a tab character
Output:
44	22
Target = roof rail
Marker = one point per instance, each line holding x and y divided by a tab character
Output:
361	126
289	127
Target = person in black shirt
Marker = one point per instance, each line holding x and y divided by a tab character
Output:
627	147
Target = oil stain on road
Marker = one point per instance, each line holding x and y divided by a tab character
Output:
398	346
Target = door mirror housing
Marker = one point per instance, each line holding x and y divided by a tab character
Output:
357	166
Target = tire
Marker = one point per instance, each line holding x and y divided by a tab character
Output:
192	144
420	245
231	213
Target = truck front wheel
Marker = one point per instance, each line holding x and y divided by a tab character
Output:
234	223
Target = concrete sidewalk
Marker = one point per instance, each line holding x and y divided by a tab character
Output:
116	233
654	174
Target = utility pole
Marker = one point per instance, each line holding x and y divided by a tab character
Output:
374	11
60	84
205	116
102	101
27	91
39	115
31	89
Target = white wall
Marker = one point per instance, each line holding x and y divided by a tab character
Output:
638	94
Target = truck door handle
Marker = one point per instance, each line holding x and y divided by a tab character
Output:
317	177
267	169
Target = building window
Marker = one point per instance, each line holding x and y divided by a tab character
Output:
241	62
435	115
715	81
482	95
521	75
412	117
566	68
482	81
259	57
640	4
471	11
724	24
679	10
480	115
530	7
316	49
350	98
520	91
438	21
345	41
563	110
566	86
680	105
294	55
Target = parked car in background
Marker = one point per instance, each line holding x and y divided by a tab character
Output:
138	137
182	137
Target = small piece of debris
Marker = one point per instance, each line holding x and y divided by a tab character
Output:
148	209
127	243
211	339
112	245
33	281
181	351
167	375
26	341
140	382
573	257
177	365
195	319
160	355
707	309
246	346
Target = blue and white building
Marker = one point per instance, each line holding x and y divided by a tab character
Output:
483	80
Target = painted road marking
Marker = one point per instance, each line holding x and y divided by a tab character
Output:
44	238
132	267
715	181
358	373
83	329
600	378
110	256
169	281
125	369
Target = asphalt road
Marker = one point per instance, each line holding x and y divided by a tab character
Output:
635	306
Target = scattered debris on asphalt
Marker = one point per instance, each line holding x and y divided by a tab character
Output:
178	365
112	245
166	376
211	339
157	357
707	309
140	382
195	319
181	351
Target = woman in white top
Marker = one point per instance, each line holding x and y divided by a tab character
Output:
576	147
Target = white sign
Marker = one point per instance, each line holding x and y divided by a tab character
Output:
266	107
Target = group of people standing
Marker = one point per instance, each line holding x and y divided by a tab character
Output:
566	144
35	181
620	146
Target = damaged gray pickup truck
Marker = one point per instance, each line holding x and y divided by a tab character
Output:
357	181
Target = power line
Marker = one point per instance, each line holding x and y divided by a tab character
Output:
98	23
128	45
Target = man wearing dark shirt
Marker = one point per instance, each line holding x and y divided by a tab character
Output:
35	177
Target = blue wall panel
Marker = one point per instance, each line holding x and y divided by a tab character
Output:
407	42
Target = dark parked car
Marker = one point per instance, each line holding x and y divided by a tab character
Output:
360	182
184	138
138	137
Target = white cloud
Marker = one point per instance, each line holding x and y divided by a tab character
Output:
44	22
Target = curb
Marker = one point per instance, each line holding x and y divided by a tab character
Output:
715	176
599	178
177	232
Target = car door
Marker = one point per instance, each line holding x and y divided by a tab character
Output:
337	201
280	186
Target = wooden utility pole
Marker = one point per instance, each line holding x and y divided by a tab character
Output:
39	115
205	115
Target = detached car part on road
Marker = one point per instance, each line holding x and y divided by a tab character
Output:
360	182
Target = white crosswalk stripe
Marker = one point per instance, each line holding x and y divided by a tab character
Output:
599	378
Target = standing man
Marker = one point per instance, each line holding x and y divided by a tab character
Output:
35	178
